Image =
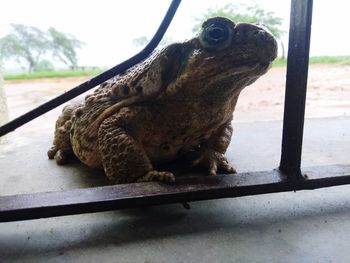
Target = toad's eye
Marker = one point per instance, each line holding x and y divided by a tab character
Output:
216	33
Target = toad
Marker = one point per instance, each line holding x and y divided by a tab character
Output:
178	103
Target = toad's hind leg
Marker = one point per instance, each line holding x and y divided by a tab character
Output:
124	159
61	147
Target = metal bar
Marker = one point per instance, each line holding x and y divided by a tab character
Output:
122	67
88	200
296	84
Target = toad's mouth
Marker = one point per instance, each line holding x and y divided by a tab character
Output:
251	56
255	63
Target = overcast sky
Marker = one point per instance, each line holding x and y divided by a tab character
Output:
109	26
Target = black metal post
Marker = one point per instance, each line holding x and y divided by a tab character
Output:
296	84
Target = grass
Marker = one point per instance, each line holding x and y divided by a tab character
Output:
279	62
342	60
338	60
54	74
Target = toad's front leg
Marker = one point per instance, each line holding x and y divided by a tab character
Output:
211	153
123	157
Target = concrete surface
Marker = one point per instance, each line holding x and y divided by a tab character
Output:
307	226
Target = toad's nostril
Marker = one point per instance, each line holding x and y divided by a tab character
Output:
259	33
260	36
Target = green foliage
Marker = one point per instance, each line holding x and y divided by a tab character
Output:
143	41
279	62
336	60
243	13
30	44
342	60
140	41
44	65
55	74
24	42
64	47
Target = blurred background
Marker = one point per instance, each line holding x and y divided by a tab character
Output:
48	47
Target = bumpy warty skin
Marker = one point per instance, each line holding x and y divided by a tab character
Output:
178	103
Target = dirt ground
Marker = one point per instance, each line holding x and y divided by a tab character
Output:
328	95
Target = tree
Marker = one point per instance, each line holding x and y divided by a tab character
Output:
44	65
36	47
245	13
143	41
140	41
64	47
24	42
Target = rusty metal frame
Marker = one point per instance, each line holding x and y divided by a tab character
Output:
288	177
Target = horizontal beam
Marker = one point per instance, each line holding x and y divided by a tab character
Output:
185	189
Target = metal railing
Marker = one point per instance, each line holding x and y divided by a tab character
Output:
289	176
